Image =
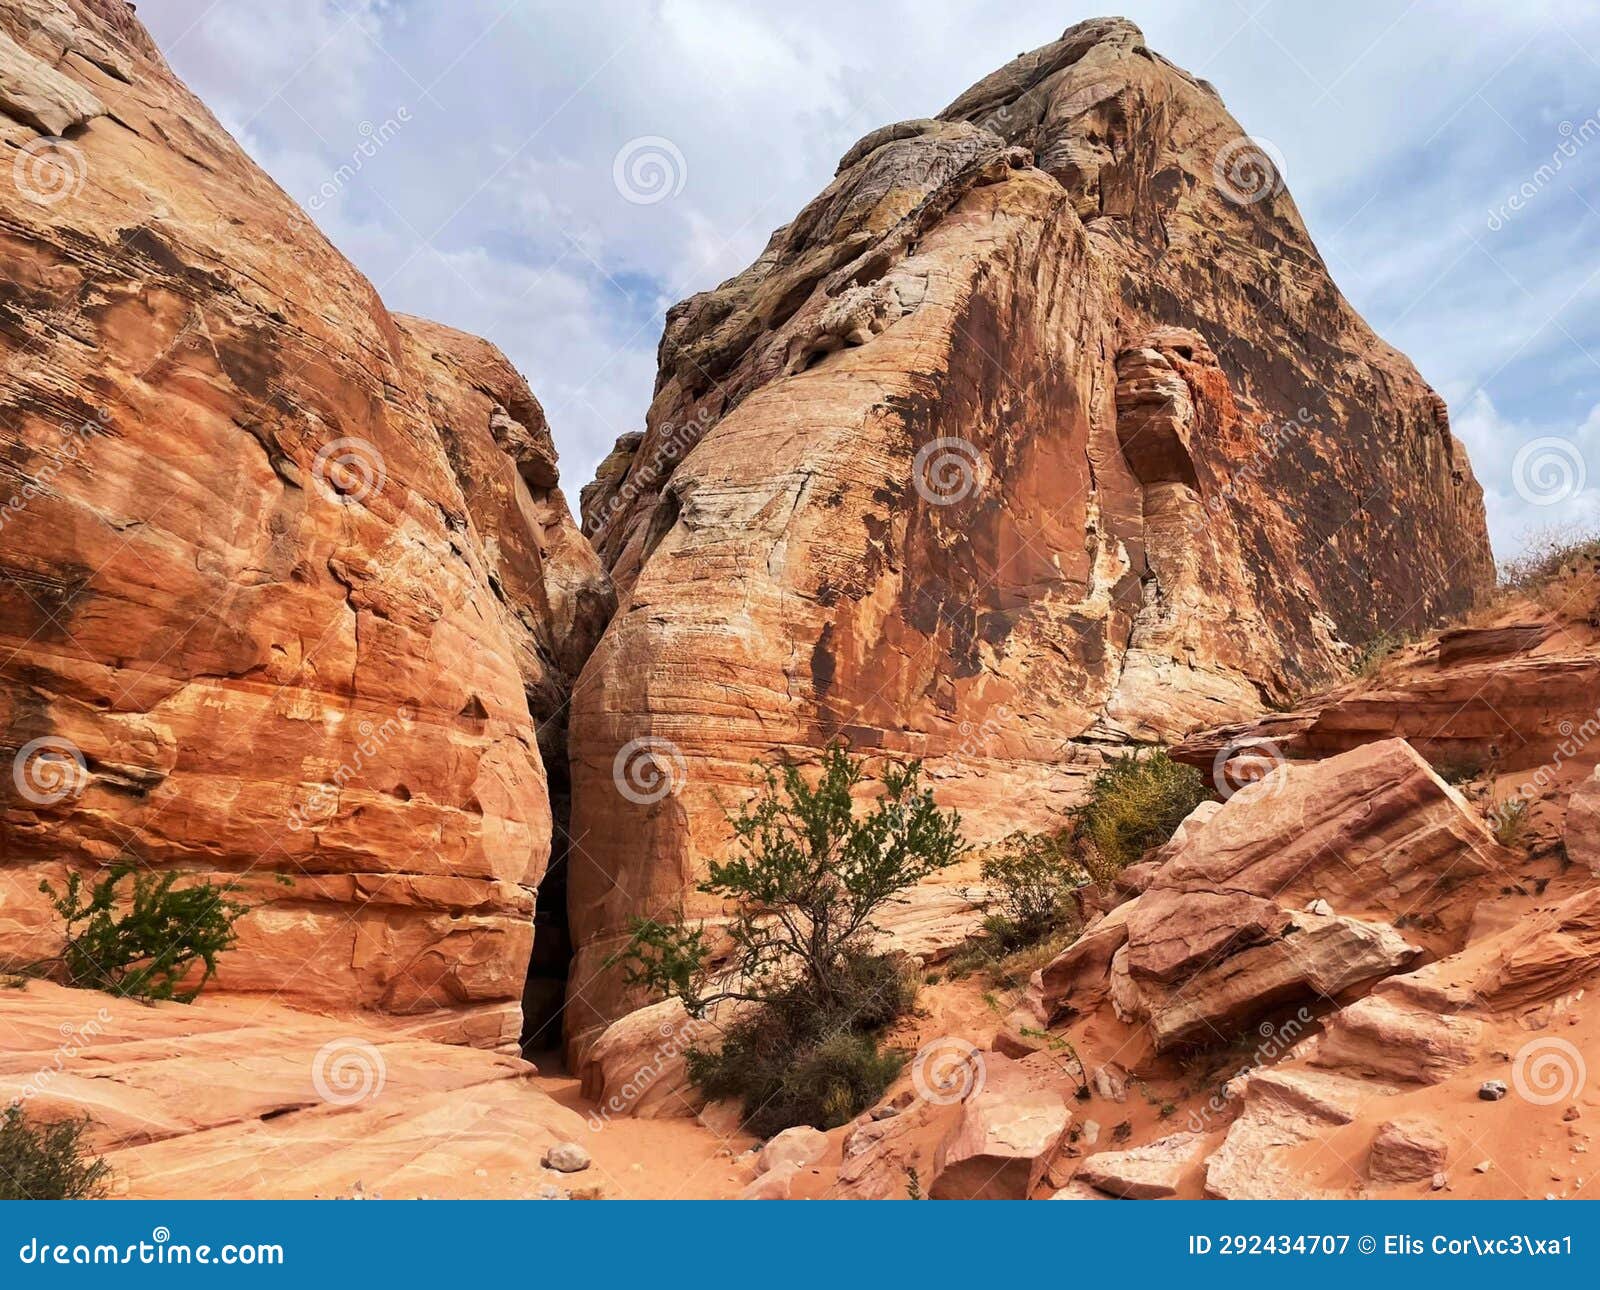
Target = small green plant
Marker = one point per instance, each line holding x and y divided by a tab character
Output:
914	1185
143	943
48	1161
1134	803
1509	819
1033	876
1377	651
807	875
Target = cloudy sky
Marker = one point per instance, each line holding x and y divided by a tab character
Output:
553	174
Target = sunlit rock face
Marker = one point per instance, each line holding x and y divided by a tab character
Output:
289	590
1042	428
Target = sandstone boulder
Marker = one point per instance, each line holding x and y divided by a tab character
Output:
1405	1151
1150	1172
1001	1146
795	1148
1583	824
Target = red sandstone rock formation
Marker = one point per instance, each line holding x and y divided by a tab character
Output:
288	585
1042	427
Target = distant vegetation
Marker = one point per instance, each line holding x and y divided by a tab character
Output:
48	1161
1559	569
807	874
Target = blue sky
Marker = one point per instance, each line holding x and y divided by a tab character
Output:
492	198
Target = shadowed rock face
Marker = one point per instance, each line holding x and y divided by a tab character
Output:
1042	427
288	585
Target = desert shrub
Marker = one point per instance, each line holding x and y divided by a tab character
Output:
48	1161
1377	651
806	875
143	943
791	1063
1033	876
1509	820
1559	569
1134	803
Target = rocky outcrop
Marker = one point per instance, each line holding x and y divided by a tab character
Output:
249	1099
989	458
1293	890
288	587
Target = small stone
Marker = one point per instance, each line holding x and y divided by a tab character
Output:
884	1112
566	1158
1483	1166
1320	907
1492	1090
1440	1181
551	1192
1571	1113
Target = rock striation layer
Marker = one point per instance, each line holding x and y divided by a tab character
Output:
1043	427
287	585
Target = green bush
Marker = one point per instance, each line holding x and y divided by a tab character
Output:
1033	876
48	1161
143	944
807	874
790	1063
1134	803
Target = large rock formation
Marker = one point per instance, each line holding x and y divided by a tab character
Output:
288	585
1042	427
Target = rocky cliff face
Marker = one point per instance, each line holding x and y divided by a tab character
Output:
1043	427
289	588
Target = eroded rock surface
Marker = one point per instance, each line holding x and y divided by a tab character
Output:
986	459
288	585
